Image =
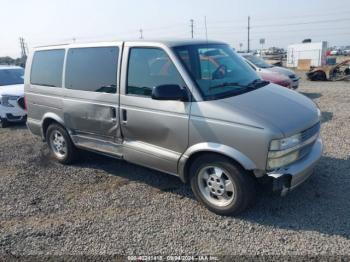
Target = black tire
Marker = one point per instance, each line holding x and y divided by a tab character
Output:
243	184
71	151
319	76
3	123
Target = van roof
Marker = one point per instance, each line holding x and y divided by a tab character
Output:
169	43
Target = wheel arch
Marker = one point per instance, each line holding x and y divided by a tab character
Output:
47	120
197	150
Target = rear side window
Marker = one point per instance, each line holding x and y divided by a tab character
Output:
92	69
47	68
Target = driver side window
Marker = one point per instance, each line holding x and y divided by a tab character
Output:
148	68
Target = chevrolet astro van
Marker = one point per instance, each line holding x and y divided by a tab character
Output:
193	109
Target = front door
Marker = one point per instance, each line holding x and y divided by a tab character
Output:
91	110
155	132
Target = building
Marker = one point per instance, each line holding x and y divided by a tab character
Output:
309	54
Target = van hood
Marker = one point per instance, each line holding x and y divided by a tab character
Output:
13	90
271	105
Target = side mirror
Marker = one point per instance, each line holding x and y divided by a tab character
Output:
169	92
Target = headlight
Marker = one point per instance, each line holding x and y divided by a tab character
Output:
5	101
284	143
274	163
283	151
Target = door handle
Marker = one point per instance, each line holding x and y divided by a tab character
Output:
124	117
113	114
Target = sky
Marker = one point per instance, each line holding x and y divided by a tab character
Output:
279	22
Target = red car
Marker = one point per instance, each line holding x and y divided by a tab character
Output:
272	76
276	78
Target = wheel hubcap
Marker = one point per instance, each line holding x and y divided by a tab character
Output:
58	144
216	186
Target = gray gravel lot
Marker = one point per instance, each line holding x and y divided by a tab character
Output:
105	206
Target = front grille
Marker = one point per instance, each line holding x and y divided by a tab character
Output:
21	103
310	132
305	150
305	135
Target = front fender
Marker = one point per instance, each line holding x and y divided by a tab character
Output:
230	152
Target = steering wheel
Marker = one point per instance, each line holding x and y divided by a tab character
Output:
220	72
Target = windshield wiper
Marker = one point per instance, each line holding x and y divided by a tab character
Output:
254	84
258	83
227	84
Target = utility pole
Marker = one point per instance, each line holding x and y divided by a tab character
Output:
23	47
20	43
192	24
24	51
248	34
206	29
141	33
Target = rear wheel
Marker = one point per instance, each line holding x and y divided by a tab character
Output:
60	144
3	123
221	185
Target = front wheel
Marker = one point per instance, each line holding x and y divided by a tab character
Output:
60	144
221	185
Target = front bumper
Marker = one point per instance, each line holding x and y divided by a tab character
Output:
13	114
15	119
288	178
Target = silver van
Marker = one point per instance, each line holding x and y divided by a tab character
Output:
193	109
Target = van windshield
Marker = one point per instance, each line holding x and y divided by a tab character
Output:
11	76
218	71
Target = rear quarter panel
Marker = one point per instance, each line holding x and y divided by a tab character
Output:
41	101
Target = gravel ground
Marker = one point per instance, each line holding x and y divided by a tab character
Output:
106	206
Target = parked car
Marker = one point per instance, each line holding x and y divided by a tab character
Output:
12	108
264	69
221	129
336	52
272	77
